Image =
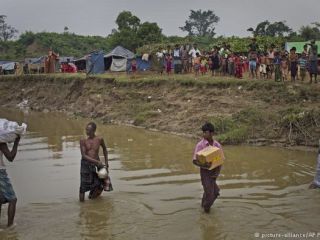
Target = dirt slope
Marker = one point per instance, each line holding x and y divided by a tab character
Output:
243	111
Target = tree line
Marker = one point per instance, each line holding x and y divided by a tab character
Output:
134	34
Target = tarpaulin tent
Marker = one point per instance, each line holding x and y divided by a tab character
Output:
95	62
65	59
116	59
4	61
298	46
8	66
81	63
142	65
35	65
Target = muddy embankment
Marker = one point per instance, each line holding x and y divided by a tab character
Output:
243	111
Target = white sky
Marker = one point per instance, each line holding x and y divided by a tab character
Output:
97	17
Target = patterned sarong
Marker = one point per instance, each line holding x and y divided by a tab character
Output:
89	180
7	193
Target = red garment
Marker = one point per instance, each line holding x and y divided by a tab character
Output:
68	68
203	69
133	67
168	67
239	70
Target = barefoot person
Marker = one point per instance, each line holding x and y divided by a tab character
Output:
208	177
7	194
90	160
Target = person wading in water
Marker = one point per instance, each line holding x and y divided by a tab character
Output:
208	177
7	194
90	160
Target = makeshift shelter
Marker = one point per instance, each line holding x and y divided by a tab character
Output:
34	65
7	67
116	60
142	64
65	59
95	62
81	63
298	45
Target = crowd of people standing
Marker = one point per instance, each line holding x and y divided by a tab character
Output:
270	63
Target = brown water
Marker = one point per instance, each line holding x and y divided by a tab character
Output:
157	189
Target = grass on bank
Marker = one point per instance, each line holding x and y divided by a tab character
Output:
149	78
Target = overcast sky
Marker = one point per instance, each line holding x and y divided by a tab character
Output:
97	17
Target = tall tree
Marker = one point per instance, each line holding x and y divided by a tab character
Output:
201	23
149	33
6	31
126	20
276	29
310	32
131	33
261	28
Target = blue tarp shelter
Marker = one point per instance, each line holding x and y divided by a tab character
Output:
95	63
142	65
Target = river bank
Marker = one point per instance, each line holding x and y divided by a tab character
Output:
257	112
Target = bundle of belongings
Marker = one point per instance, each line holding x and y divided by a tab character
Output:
9	130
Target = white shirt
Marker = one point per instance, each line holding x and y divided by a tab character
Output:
193	52
2	166
160	54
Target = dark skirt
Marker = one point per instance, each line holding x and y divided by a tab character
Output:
89	180
293	69
210	187
313	68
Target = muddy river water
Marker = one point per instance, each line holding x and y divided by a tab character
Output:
157	190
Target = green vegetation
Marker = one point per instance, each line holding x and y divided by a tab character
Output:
241	126
37	44
299	124
146	37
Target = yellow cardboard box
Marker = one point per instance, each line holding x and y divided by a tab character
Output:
211	155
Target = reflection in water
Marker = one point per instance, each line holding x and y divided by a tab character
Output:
95	218
157	189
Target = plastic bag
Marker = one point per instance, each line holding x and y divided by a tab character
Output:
9	130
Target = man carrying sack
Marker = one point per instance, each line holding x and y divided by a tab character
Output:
9	131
